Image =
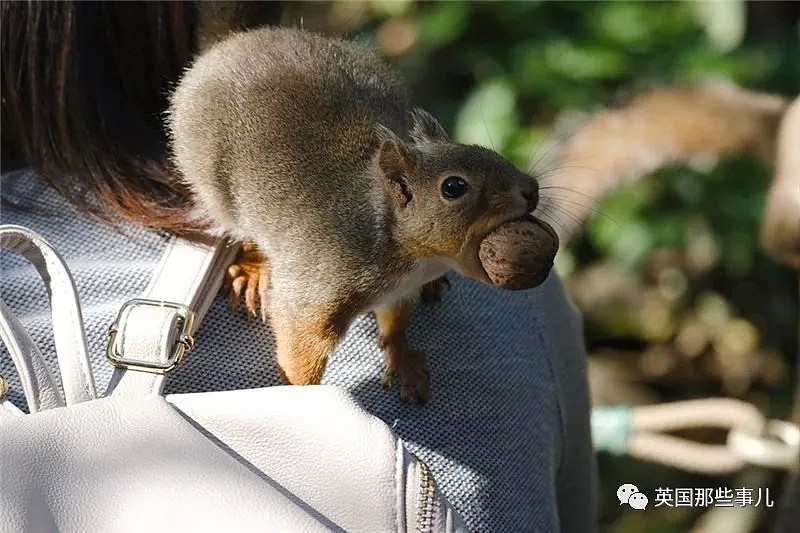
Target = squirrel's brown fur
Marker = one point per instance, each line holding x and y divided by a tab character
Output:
675	125
307	146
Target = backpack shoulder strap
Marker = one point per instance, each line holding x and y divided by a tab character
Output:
152	333
39	386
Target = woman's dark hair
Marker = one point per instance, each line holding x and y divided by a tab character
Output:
84	89
84	85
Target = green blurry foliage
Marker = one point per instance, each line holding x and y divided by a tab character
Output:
566	55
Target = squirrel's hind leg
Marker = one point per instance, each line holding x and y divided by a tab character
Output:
411	365
250	276
304	341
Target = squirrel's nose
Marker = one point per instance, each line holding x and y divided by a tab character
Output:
529	190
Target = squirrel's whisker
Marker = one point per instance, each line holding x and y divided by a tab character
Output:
486	128
554	221
594	210
569	216
552	146
554	171
574	191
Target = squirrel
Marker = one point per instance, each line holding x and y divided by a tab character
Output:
308	147
668	125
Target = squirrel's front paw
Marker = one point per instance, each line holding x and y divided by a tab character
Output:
412	368
249	275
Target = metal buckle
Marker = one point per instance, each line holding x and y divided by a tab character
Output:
184	343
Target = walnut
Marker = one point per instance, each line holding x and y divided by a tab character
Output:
519	254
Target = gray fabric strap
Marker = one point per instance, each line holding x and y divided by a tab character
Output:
189	274
69	337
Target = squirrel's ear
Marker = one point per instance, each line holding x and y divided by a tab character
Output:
395	164
425	128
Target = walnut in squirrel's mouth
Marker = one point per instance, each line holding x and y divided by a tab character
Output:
519	254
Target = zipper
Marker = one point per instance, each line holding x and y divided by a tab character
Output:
425	499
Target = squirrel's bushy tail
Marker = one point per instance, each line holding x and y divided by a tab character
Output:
780	230
660	127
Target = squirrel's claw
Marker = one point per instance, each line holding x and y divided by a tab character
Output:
237	283
249	276
412	368
415	387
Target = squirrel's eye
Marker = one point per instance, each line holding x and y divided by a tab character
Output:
454	187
